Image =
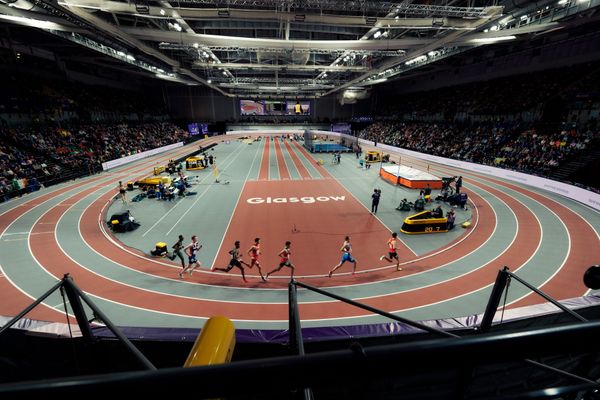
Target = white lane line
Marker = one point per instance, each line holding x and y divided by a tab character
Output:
61	304
283	150
84	182
177	204
530	194
26	233
199	197
234	208
33	297
132	286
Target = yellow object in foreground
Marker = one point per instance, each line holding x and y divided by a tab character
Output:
214	345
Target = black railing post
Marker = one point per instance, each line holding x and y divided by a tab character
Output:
494	300
77	307
113	328
295	329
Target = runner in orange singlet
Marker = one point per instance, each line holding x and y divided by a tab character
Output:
254	252
392	251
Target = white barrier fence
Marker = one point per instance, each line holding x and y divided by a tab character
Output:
138	156
573	192
581	195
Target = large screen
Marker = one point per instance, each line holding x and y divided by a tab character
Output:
274	107
193	129
196	128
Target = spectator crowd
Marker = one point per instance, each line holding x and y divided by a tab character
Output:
502	145
32	156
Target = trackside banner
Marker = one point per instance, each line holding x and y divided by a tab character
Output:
138	156
304	200
573	192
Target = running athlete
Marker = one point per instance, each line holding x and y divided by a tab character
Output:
346	256
392	251
236	261
122	192
284	261
177	247
254	252
191	250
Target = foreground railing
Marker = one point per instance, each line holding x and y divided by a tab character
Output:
548	362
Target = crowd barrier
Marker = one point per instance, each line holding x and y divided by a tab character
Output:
137	156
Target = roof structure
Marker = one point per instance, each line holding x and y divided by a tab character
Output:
283	48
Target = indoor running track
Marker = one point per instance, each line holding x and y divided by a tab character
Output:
544	238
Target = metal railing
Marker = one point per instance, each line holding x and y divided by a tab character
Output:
500	287
75	295
357	366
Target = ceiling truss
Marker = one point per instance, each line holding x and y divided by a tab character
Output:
285	47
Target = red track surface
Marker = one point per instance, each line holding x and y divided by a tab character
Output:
283	171
319	231
299	166
322	225
264	162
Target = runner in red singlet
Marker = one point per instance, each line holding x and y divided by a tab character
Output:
392	251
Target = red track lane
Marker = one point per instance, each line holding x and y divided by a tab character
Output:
264	162
567	283
324	173
402	248
329	306
315	248
299	166
283	170
96	240
14	301
471	281
141	298
572	221
11	215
